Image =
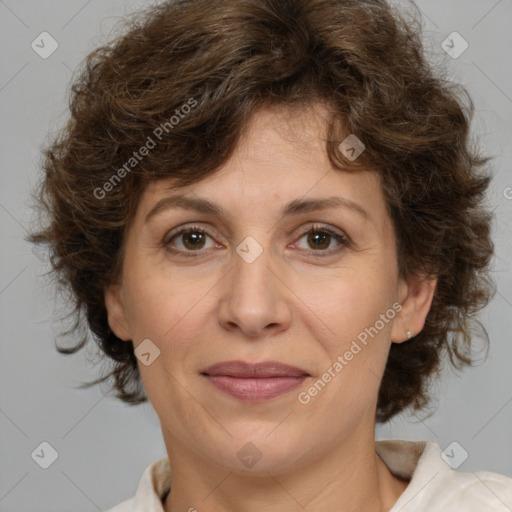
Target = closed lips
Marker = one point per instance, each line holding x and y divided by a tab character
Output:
241	369
254	382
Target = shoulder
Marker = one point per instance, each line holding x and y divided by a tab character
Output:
435	484
154	483
477	490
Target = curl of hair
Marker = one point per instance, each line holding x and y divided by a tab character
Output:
364	60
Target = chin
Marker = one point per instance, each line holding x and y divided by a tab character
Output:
250	452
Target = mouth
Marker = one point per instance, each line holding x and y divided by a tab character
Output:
254	382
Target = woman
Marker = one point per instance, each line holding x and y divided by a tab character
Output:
271	217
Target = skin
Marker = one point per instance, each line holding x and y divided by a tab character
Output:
289	305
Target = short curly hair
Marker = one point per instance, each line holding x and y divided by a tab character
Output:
364	60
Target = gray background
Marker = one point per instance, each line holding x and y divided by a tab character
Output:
103	445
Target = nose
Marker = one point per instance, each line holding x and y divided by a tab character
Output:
256	298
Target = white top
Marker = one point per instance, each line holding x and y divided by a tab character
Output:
434	485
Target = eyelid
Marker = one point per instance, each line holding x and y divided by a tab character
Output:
321	226
177	232
184	228
339	235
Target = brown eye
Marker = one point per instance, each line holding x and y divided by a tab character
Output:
193	239
186	240
320	238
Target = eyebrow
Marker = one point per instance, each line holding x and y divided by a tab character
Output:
294	207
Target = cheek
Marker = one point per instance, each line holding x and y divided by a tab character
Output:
343	306
171	311
154	301
352	344
148	310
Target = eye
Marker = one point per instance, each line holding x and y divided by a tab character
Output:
191	238
319	238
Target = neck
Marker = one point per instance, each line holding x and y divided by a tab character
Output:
348	480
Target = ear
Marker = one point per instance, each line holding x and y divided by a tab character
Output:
416	298
116	312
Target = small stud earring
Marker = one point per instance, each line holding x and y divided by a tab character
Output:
409	335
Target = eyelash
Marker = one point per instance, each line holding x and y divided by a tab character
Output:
317	228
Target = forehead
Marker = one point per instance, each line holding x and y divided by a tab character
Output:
281	158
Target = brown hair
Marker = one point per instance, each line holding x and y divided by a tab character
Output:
226	59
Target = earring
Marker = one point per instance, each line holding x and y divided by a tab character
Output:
409	335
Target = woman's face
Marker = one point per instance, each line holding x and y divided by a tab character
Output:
256	287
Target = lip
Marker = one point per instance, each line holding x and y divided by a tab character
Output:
265	369
254	382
